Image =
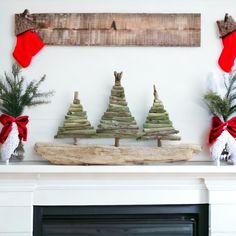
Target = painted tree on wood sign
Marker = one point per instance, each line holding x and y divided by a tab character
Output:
158	125
117	122
76	124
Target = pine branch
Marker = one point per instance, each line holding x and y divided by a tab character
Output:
3	87
16	70
45	94
223	107
11	83
231	83
15	94
232	109
217	105
232	98
39	102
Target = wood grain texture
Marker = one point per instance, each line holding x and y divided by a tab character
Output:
119	29
109	155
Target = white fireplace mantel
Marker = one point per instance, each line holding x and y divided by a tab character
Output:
27	184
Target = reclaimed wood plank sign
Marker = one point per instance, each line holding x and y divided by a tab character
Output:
118	29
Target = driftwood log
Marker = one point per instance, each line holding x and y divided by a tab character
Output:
117	29
109	155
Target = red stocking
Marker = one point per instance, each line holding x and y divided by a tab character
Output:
228	54
28	45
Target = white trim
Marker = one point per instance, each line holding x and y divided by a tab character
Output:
178	168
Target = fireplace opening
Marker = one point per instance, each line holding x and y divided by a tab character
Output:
148	220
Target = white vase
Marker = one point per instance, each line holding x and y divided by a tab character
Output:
11	143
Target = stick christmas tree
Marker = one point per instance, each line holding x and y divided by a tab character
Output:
117	122
76	124
158	125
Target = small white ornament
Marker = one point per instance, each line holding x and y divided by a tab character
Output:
11	143
225	140
219	145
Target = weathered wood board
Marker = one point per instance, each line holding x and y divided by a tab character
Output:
119	29
66	154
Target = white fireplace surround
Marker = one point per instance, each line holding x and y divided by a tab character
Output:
24	185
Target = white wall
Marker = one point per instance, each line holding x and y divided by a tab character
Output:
179	73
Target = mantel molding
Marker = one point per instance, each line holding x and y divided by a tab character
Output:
24	185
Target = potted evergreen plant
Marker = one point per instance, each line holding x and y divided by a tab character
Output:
15	95
222	105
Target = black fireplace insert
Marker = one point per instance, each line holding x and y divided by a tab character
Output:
142	220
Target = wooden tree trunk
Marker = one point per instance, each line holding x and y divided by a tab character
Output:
117	142
159	144
76	141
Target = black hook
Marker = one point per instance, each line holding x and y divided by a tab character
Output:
25	13
226	17
113	25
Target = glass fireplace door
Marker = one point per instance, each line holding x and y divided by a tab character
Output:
148	220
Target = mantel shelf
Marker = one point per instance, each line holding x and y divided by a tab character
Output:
170	168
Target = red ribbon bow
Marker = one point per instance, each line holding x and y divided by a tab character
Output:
218	126
21	122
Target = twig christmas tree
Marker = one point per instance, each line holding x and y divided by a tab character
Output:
158	125
117	122
76	124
